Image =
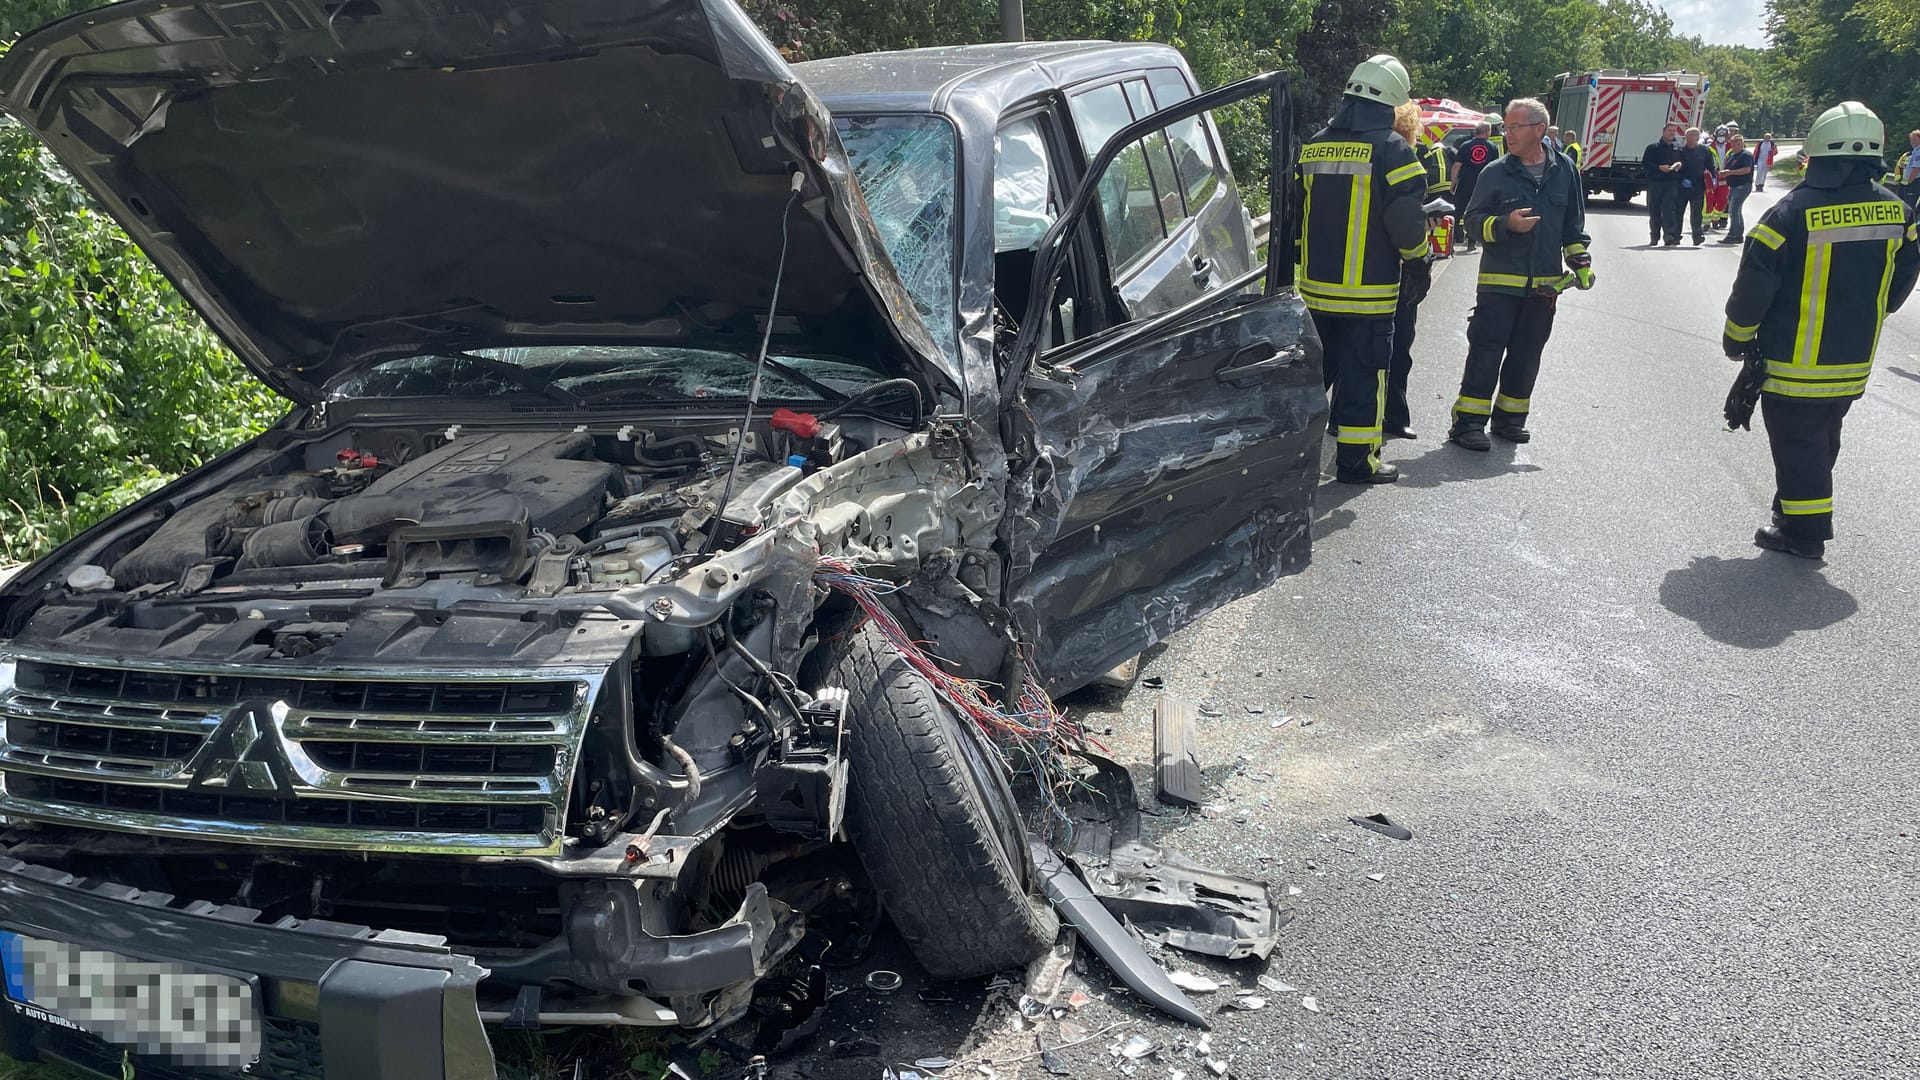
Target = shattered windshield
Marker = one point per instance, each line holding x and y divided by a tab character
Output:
602	374
905	168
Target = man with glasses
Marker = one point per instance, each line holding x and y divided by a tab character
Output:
1530	210
1662	163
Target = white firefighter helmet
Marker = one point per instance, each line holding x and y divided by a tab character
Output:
1380	78
1849	129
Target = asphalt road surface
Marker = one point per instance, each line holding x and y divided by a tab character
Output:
1661	783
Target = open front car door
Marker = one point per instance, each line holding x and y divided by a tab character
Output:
1166	463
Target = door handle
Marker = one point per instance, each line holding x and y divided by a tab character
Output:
1202	270
1255	359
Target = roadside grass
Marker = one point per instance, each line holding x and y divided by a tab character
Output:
14	1070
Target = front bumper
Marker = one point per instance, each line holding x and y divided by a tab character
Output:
338	1000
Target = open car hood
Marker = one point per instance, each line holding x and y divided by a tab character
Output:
332	183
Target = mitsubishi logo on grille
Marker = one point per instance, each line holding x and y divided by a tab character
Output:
244	755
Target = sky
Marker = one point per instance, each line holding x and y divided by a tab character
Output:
1720	22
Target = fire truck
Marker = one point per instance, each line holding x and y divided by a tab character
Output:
1444	120
1618	115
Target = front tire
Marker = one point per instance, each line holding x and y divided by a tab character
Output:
933	820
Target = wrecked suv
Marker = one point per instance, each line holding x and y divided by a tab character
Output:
701	473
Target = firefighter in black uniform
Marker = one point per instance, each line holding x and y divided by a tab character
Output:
1529	208
1819	274
1360	187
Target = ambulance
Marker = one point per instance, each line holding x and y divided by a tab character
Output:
1618	115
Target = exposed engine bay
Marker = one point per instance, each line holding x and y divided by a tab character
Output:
559	654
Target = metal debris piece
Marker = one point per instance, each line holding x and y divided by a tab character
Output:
1189	906
1176	754
1376	877
1121	950
1210	712
1187	980
884	981
854	1048
1154	682
1311	1004
1383	825
1138	1047
1278	986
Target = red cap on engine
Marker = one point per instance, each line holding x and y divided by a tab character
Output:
805	425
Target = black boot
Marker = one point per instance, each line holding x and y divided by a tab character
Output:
1513	433
1385	474
1771	538
1471	436
1399	431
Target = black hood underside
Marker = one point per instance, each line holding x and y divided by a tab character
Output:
331	183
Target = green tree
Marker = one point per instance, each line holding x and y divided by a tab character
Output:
1861	50
111	384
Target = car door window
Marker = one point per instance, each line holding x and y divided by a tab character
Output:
1129	207
1023	200
1194	160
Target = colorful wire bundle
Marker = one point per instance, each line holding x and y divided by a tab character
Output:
1031	728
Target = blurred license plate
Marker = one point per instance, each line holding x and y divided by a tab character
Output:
164	1009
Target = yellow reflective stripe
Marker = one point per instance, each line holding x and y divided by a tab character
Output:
1510	404
1804	507
1341	289
1767	236
1515	280
1813	313
1357	215
1356	435
1350	307
1819	372
1913	233
1413	252
1790	388
1574	249
1487	230
1880	298
1406	172
1478	406
1742	333
1379	418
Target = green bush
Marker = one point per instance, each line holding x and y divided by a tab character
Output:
109	384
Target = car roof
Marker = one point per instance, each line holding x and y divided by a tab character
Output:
926	80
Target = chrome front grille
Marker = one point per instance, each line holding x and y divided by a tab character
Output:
452	762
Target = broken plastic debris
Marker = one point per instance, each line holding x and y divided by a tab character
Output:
1078	1000
1248	1002
1256	709
1205	1046
1137	1047
1187	980
1153	682
1278	986
1177	1074
1376	877
1282	722
1219	1067
1383	825
987	1071
1051	1062
1311	1004
935	1064
1293	890
884	981
1209	712
1032	1007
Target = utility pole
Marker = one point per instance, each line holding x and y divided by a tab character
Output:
1013	20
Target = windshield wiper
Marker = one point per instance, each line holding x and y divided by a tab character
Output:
520	377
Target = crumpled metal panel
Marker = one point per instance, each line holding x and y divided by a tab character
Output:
1158	489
